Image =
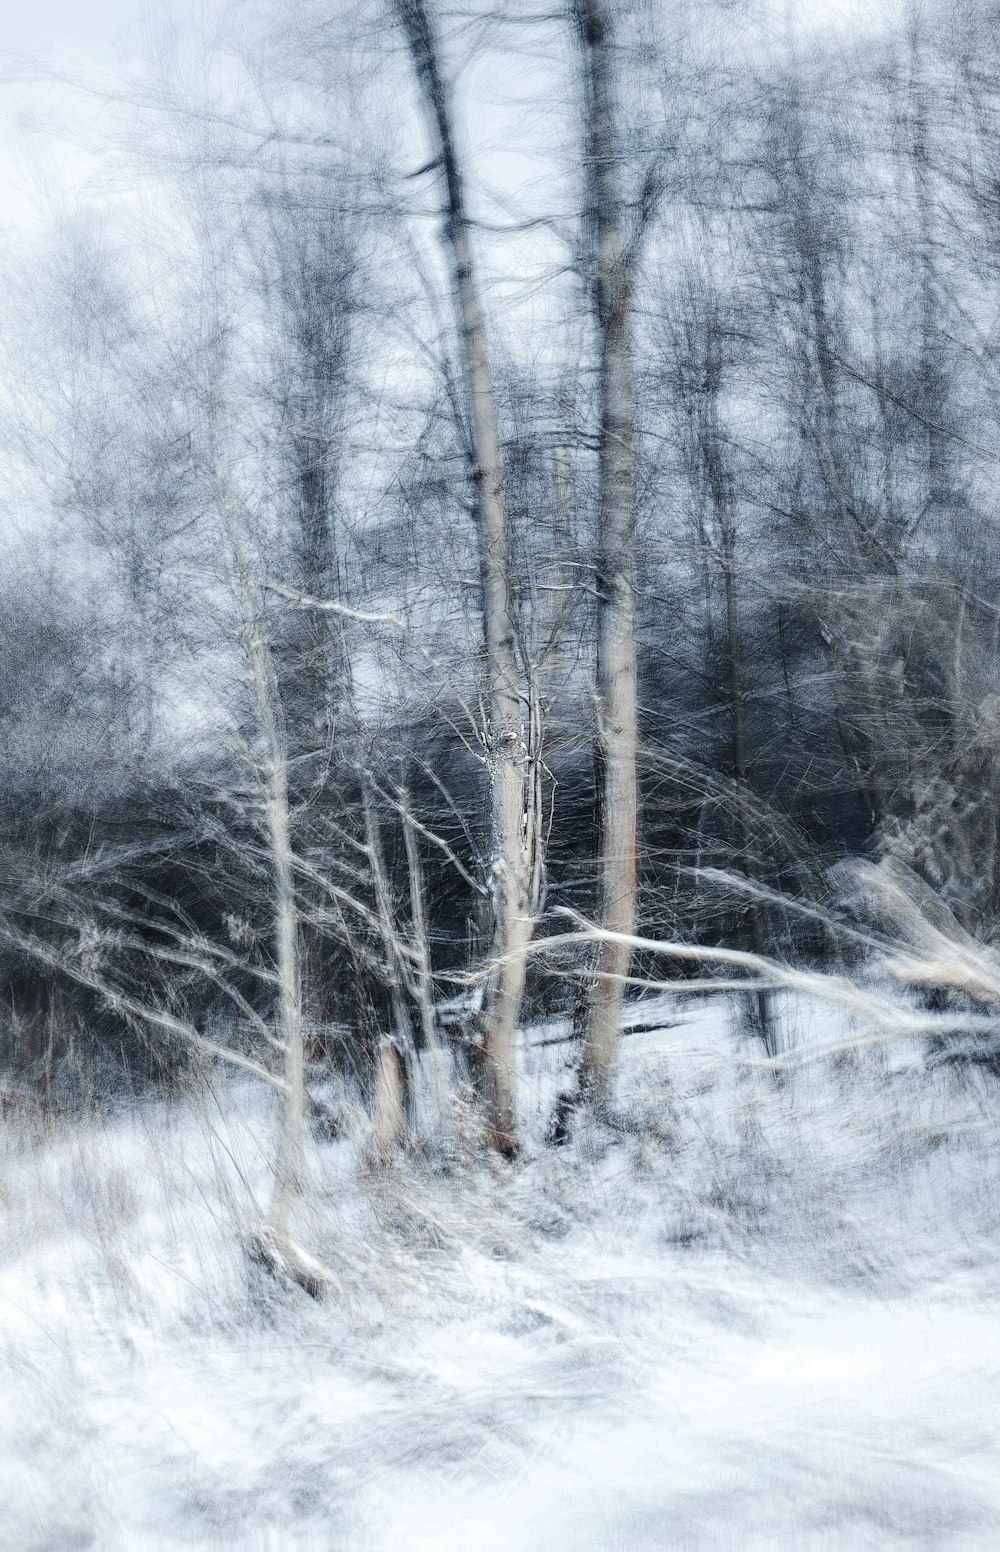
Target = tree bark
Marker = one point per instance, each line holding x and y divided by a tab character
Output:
276	1244
505	749
616	606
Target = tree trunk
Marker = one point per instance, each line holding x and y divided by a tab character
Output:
387	1113
389	1101
505	751
616	627
276	1244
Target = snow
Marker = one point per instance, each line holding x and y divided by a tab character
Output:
764	1313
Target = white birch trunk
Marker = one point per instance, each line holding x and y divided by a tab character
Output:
276	1243
506	755
389	1107
616	626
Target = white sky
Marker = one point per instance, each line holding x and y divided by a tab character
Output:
95	28
45	127
57	133
98	26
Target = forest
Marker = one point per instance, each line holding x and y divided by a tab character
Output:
500	753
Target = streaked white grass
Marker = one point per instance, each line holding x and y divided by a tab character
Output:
777	1277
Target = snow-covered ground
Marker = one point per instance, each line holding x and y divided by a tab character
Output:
766	1314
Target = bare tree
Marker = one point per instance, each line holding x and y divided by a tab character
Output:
613	257
262	680
506	754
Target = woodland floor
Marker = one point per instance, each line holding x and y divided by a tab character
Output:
767	1314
